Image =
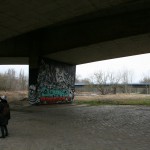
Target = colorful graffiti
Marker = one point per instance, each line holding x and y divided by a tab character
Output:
55	82
54	92
33	98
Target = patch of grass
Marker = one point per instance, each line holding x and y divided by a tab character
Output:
14	95
114	102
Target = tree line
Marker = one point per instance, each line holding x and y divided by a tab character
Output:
10	81
109	82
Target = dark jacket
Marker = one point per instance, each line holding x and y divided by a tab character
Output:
2	118
4	112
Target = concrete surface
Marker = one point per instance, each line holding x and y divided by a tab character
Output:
73	31
71	127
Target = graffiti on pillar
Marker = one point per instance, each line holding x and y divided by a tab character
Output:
54	92
33	98
33	94
55	81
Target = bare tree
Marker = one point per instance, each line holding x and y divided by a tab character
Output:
114	80
77	79
108	82
146	80
9	81
127	77
100	79
22	80
10	76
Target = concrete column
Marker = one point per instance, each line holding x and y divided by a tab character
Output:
51	81
33	75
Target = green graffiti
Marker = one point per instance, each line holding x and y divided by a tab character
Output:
45	92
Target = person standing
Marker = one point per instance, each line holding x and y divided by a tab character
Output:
4	116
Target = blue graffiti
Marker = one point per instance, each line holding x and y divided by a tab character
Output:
46	92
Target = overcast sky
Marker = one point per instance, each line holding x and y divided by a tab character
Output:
25	68
139	65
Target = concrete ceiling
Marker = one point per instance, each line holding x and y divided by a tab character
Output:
17	17
73	31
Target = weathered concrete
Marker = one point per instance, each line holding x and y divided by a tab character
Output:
19	17
69	127
73	31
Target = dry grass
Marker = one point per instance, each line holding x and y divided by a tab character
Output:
90	96
14	95
118	99
21	98
16	99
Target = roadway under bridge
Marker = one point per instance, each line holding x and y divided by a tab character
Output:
70	32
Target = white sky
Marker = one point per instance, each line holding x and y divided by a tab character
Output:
17	68
138	64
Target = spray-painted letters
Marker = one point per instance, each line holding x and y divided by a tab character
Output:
55	80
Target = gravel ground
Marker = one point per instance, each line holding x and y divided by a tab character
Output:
71	127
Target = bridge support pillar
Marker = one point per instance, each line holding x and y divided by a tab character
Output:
51	81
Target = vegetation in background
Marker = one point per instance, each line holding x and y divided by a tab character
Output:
146	79
9	81
112	83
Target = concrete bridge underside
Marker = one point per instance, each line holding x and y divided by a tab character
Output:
73	31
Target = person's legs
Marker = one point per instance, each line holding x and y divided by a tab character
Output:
6	130
2	131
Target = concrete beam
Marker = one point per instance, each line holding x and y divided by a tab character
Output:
92	31
67	42
105	50
14	60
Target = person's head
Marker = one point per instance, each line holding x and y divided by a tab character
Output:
2	97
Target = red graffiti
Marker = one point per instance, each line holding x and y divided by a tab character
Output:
54	99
